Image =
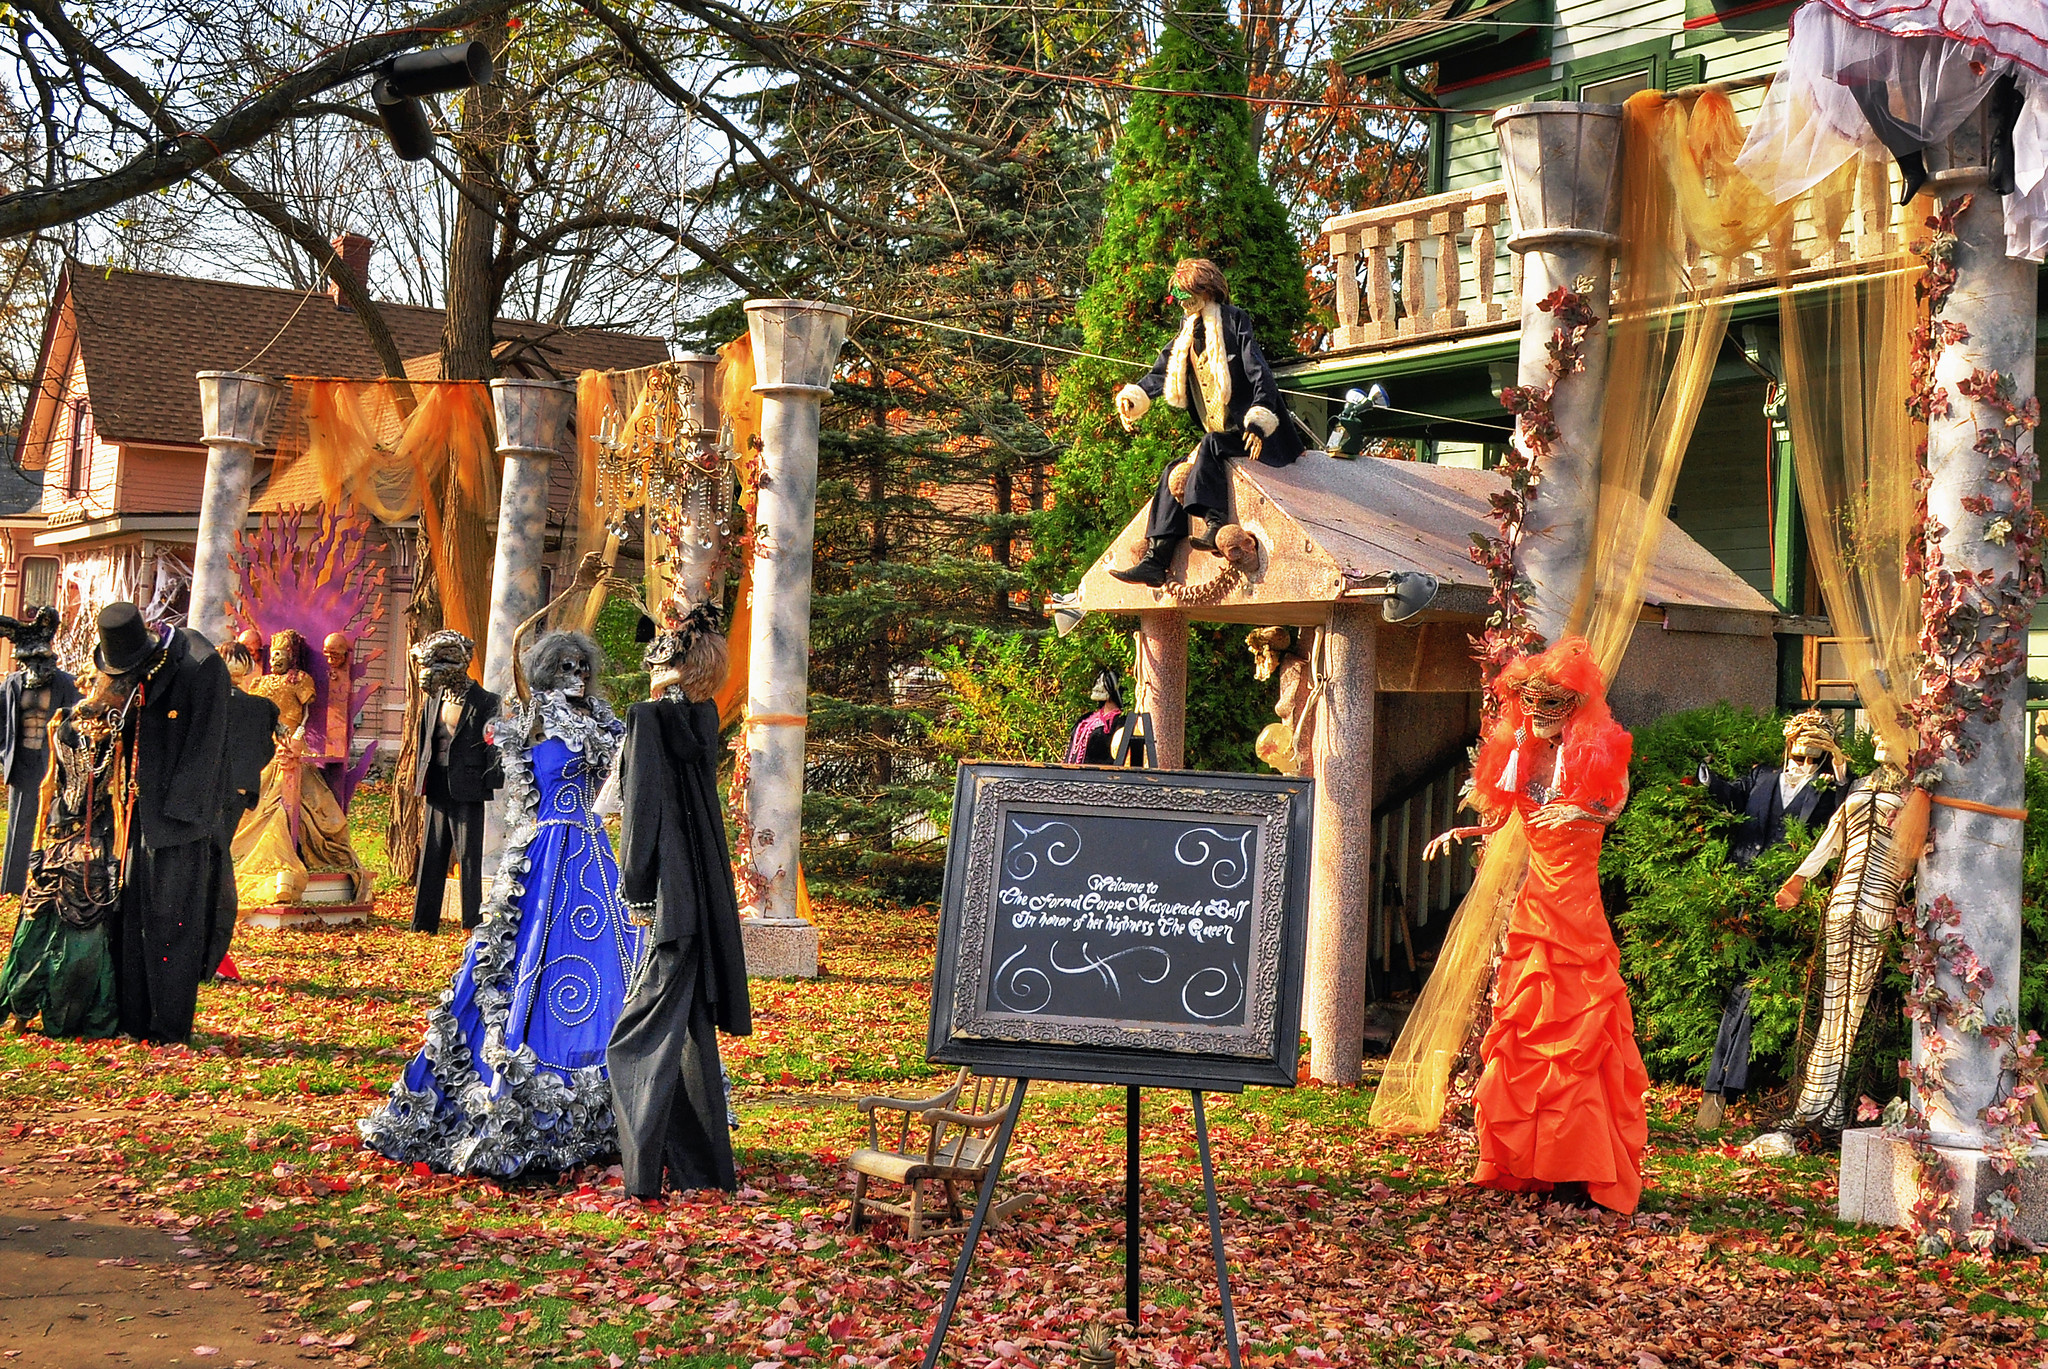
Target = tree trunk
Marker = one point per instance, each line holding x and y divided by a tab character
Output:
466	338
408	812
474	289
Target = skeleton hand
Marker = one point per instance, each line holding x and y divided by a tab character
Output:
1790	892
1560	815
1254	444
590	570
1444	841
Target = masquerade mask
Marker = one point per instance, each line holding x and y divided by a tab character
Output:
1548	704
1181	294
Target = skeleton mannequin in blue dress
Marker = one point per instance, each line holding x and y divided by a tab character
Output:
512	1077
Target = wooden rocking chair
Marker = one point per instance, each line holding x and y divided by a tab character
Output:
959	1140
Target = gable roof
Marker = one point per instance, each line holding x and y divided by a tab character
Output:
1325	526
146	334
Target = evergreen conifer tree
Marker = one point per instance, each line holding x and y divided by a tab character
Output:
1186	183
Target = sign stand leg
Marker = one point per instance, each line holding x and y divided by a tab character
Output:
1215	1230
1131	1242
981	1206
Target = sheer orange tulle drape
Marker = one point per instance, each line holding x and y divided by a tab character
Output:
1685	211
403	449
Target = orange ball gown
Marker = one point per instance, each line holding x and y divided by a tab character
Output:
1561	1096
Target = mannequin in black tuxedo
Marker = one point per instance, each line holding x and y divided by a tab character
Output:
456	771
1807	785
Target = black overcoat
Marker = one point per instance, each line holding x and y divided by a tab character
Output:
1764	812
474	769
672	846
252	742
181	767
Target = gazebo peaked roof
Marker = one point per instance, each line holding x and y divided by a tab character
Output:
1325	526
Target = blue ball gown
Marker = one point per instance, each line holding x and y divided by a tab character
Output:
512	1077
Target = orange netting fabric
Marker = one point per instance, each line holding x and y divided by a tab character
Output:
402	449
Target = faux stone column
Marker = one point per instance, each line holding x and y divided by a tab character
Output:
1973	859
533	419
701	555
1340	879
533	432
1163	682
1562	164
796	345
234	414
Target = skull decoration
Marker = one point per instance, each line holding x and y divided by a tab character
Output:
1810	741
441	661
34	649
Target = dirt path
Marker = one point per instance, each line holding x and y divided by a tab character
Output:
79	1286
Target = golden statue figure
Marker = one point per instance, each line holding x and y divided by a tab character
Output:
297	827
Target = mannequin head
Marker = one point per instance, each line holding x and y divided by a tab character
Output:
287	652
1810	743
441	661
689	661
1197	281
566	663
241	664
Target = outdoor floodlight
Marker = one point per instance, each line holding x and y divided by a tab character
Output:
402	80
1066	612
1347	434
1405	594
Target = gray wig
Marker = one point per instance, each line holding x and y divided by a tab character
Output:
545	658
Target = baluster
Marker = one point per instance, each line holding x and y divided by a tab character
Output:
1408	232
1379	241
1874	210
1344	263
1450	270
1515	276
1480	218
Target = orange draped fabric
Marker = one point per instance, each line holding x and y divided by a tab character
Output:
1561	1098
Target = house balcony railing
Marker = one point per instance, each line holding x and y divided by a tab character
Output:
1437	268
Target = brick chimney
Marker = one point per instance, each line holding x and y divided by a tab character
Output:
354	251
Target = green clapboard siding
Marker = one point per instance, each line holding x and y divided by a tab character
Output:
1722	497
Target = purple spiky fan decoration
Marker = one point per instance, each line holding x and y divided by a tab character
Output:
318	585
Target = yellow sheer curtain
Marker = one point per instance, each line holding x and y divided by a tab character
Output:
1848	369
1670	313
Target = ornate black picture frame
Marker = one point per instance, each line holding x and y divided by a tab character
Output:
1124	926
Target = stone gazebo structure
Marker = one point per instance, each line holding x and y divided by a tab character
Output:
1329	534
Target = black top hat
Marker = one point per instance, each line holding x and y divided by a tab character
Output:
125	640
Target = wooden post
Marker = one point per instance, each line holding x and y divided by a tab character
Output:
1163	682
1340	885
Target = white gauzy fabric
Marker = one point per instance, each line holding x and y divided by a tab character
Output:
1934	61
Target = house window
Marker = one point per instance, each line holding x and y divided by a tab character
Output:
78	452
1613	90
38	583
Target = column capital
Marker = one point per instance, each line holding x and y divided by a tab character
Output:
533	416
236	406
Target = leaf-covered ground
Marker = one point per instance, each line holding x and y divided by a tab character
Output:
1347	1247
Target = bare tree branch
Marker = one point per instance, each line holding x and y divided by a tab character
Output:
181	152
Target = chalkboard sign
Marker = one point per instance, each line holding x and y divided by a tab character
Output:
1124	926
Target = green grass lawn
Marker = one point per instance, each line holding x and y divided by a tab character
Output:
1347	1246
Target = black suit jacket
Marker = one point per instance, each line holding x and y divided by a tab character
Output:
474	772
63	694
181	769
1251	383
252	741
1756	797
672	850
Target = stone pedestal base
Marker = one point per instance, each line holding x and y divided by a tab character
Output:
1881	1182
303	915
779	950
